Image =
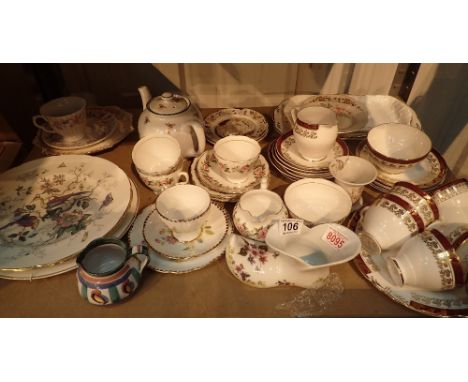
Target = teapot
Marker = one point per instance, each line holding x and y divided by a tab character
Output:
109	271
175	115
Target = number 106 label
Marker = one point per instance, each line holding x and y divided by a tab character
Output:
290	226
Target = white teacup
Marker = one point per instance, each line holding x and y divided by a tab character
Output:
183	209
353	173
315	131
428	261
156	155
317	201
452	201
236	156
159	183
65	116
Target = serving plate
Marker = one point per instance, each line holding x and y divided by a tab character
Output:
51	208
452	303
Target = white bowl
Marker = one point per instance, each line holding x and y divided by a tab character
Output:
317	201
394	147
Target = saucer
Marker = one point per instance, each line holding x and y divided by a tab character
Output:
225	122
121	127
287	149
100	124
161	240
211	175
426	174
164	265
451	303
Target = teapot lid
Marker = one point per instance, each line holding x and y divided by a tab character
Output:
168	104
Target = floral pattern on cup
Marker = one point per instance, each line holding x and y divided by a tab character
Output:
305	132
159	183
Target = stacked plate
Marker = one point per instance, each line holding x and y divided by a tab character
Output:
106	127
356	114
225	122
205	173
51	208
285	158
427	174
168	255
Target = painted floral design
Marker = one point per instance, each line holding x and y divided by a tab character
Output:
306	133
160	183
166	237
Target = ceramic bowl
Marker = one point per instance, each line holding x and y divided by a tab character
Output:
156	155
317	201
236	156
183	209
353	173
427	261
395	147
452	201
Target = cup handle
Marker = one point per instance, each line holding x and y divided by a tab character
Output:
140	252
199	132
45	127
293	115
264	183
185	175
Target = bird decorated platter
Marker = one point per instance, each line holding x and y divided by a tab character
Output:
51	208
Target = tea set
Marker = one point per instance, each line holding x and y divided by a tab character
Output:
411	241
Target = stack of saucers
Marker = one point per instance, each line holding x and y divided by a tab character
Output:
168	255
205	173
285	158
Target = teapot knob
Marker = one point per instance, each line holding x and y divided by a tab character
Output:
167	95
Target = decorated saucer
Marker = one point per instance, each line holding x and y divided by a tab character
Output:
100	124
227	122
450	303
287	151
210	174
164	265
427	174
161	240
70	263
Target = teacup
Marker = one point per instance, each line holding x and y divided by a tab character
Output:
156	155
452	201
65	116
390	221
353	173
395	147
158	183
317	201
183	209
428	261
315	131
236	156
109	271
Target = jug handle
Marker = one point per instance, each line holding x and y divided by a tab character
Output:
140	252
199	134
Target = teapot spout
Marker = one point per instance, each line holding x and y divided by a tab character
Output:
145	95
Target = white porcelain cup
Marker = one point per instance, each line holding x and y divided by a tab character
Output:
315	131
452	201
353	173
183	209
317	201
65	116
236	156
389	222
158	183
156	155
428	261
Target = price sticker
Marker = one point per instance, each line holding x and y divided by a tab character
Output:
334	238
290	226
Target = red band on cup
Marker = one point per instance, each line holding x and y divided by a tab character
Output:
405	205
454	259
306	125
422	194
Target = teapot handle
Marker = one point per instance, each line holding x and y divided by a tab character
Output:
199	131
140	252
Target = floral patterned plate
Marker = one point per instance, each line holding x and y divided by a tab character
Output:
452	303
161	240
227	122
288	153
51	208
164	265
210	175
70	264
122	126
427	174
100	125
